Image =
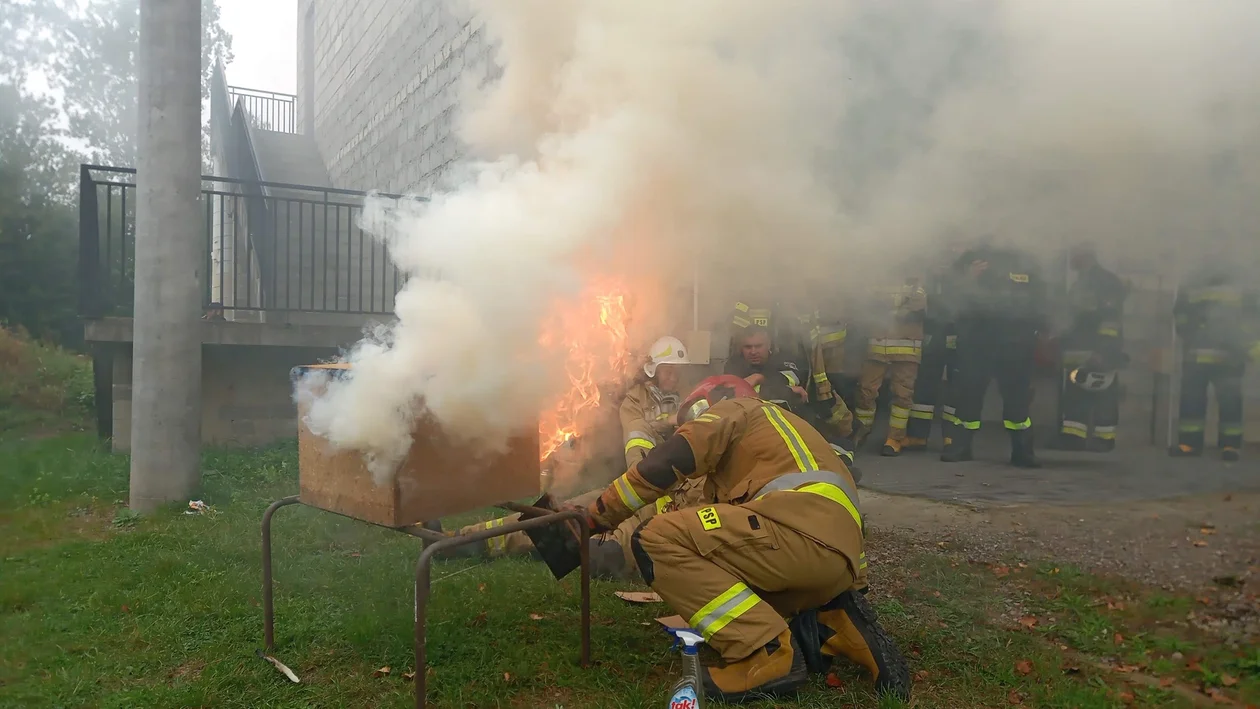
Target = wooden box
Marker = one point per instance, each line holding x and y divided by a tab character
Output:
437	479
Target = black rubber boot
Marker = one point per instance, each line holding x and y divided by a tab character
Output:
959	448
1022	455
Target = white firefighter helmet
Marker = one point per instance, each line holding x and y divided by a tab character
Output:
1093	380
667	350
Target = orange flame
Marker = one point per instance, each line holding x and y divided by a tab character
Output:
591	334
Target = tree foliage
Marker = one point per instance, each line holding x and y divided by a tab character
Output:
68	94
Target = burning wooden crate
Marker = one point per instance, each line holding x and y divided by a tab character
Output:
438	477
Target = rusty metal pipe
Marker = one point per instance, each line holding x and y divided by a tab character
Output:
427	535
424	578
526	510
269	614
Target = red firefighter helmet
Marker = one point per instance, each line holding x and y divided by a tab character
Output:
711	391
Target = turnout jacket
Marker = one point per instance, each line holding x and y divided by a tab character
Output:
757	455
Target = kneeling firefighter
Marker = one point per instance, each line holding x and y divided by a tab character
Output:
771	573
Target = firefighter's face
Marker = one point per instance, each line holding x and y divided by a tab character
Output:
667	376
756	348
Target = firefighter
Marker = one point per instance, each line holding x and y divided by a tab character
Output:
769	574
1215	318
1093	342
895	351
938	368
786	376
999	296
648	416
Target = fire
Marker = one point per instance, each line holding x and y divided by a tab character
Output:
591	334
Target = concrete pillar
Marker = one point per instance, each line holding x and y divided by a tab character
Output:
170	257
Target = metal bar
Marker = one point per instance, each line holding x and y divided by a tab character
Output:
109	242
360	267
288	253
324	295
424	579
275	252
90	300
249	261
337	261
372	285
122	242
222	211
269	613
301	265
260	183
209	200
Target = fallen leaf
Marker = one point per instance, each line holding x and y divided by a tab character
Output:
1024	667
535	616
1127	697
1028	621
1014	697
507	677
1228	681
1200	543
833	681
1204	600
1194	666
479	621
1001	571
638	596
1071	670
381	672
481	587
1022	565
1166	681
1207	531
125	608
921	675
936	594
408	676
943	545
1127	669
1118	639
1117	606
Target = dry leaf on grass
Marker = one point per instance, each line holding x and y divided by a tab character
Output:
1118	638
1200	543
1228	681
833	681
1207	531
479	621
1024	667
481	587
1166	681
1127	697
1127	669
921	675
1028	622
638	596
1001	571
381	672
535	616
1014	697
507	677
408	676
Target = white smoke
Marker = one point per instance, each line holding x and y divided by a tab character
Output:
622	140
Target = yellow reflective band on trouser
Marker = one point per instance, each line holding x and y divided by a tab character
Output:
800	453
1209	356
898	417
719	612
1232	430
901	348
661	503
834	338
1106	433
866	416
1075	428
817	482
1017	425
626	492
793	379
639	440
951	342
821	378
922	411
496	545
969	425
1109	332
862	557
1190	427
950	415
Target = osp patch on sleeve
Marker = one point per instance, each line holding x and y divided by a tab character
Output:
709	518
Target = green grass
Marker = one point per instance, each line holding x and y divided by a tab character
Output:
42	386
101	608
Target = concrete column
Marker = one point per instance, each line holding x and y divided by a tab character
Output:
170	257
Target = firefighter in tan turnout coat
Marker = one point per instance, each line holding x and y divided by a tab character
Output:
895	352
769	571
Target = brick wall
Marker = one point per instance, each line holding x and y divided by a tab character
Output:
386	75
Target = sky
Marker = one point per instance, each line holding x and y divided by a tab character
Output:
264	40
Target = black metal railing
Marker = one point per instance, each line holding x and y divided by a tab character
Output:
317	257
269	110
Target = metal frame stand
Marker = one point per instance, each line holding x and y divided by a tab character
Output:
435	543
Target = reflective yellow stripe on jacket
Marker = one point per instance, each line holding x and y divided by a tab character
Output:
811	479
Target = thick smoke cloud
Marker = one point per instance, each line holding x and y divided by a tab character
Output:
798	148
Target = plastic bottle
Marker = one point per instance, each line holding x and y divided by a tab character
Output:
688	692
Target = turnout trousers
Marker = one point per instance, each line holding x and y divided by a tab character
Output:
1077	407
993	348
901	376
937	372
1224	374
736	574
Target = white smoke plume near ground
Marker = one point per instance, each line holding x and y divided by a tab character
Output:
621	140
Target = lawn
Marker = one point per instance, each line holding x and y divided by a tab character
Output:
99	608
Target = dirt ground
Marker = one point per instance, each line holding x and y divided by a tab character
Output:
1207	544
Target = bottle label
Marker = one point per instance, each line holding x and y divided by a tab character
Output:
684	698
